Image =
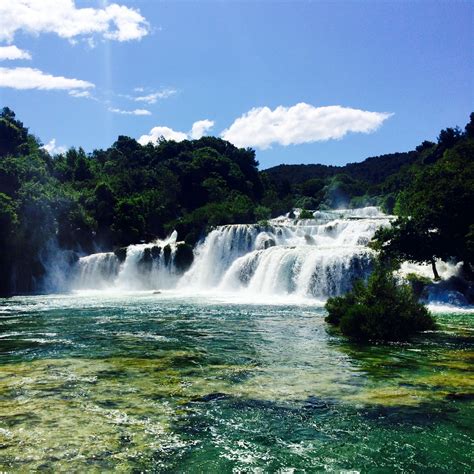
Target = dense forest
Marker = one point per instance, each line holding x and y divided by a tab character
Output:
129	193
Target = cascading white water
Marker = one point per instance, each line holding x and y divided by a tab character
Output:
96	270
317	257
144	266
304	271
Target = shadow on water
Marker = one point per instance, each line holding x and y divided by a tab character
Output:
434	365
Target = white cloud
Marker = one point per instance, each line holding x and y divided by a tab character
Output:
54	149
62	17
200	128
261	127
153	97
130	112
28	78
13	52
165	132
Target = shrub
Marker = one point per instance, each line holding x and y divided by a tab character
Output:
305	214
262	213
380	310
417	283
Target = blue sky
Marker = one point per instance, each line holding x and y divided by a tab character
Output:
398	72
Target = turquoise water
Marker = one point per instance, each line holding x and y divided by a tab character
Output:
167	383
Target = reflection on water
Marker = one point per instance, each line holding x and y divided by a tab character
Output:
165	383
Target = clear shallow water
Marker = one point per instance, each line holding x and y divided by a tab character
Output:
172	383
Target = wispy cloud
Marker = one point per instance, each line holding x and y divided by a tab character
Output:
28	78
63	18
86	94
198	130
54	149
13	52
155	96
129	112
262	127
81	94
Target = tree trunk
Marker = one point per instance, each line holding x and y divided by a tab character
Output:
435	270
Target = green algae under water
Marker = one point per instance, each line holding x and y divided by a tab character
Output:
163	383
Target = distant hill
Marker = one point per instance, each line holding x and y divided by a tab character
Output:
373	170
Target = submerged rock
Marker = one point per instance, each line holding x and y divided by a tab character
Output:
460	396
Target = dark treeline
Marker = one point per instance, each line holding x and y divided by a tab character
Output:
131	193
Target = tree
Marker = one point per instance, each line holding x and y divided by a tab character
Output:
409	240
470	127
436	215
381	310
13	135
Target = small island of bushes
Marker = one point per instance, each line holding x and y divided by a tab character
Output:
380	310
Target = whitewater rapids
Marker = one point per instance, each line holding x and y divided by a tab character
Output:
314	258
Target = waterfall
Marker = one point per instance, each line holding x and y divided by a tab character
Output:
304	271
317	257
96	270
137	267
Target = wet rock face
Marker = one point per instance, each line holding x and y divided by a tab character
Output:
121	254
167	254
146	260
269	243
184	257
455	291
155	251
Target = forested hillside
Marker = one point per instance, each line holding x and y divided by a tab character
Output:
373	170
129	193
375	181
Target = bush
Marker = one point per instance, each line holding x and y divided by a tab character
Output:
417	283
380	310
262	213
305	214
